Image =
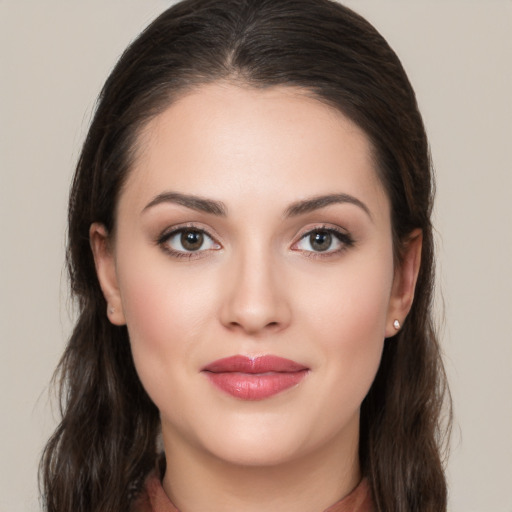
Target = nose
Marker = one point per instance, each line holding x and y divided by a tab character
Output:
255	299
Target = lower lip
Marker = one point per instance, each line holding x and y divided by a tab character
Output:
255	386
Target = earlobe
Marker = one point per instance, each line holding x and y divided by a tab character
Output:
404	283
106	271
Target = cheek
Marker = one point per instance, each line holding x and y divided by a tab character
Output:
165	313
158	298
350	302
347	318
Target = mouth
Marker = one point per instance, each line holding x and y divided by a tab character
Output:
257	378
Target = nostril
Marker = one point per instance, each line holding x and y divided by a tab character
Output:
254	328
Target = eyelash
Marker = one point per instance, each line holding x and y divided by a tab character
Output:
164	238
342	237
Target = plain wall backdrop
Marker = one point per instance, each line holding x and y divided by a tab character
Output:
54	57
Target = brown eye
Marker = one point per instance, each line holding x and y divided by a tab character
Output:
192	240
326	240
188	240
320	241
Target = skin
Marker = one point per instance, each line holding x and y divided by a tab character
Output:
256	287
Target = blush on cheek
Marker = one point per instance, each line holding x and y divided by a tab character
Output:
163	313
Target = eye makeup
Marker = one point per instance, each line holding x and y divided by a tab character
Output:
187	241
192	241
323	242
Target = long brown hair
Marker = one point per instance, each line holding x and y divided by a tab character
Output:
105	445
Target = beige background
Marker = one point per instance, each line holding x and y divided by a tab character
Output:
55	56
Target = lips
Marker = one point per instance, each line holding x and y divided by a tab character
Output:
257	378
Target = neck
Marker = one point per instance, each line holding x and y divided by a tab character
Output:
197	481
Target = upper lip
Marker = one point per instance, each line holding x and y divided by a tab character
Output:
259	364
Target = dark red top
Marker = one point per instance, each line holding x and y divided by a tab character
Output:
154	499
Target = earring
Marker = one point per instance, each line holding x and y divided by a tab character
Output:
111	310
396	325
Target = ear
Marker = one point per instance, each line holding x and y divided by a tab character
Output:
404	282
106	271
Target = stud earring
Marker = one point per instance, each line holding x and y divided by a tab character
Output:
111	310
396	325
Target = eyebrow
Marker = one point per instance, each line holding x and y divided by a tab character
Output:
189	201
315	203
218	207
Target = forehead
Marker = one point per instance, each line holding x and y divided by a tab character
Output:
228	141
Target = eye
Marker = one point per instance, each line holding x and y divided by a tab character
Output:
326	240
188	240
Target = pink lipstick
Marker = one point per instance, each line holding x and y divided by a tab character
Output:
254	378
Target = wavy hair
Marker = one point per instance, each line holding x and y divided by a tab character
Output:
106	443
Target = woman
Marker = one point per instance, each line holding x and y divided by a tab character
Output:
251	250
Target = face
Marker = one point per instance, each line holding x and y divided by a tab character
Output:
253	265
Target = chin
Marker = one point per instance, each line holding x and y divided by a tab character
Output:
250	440
273	441
257	453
